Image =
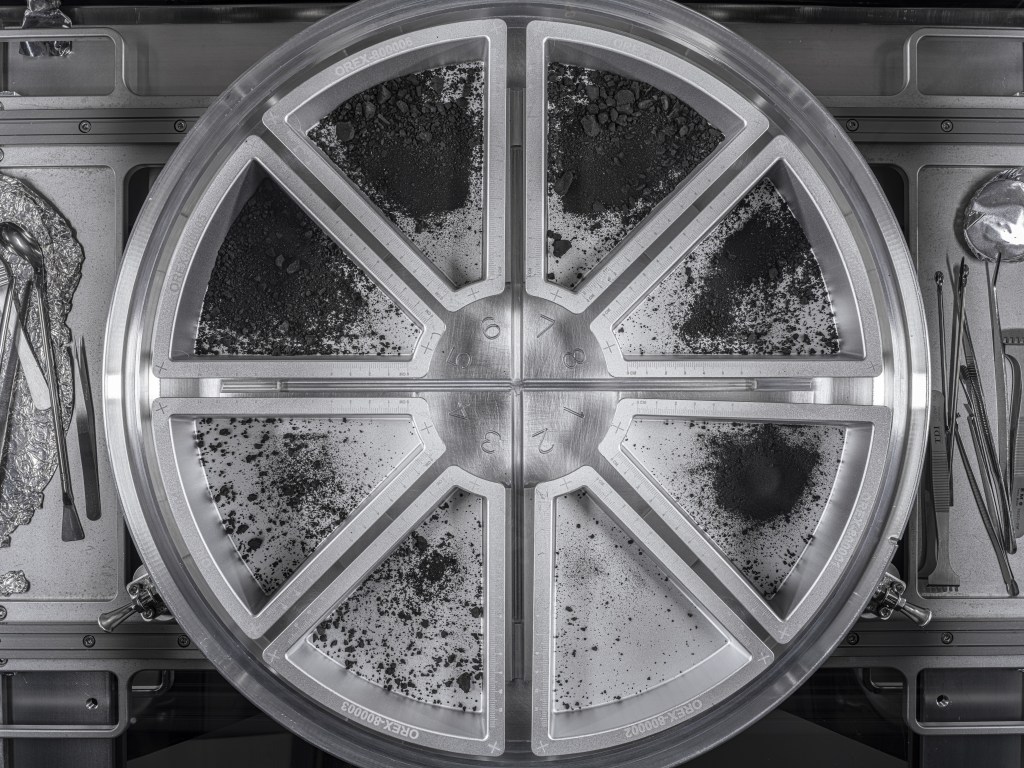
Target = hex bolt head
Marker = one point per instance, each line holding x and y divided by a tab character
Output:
180	126
852	639
85	126
947	638
183	641
89	641
3	612
852	125
946	126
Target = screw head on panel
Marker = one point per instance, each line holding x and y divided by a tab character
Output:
947	638
180	126
89	641
946	126
183	641
852	125
852	639
85	126
3	612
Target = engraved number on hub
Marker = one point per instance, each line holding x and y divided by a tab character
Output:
575	358
491	443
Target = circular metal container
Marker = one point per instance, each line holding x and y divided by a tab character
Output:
518	393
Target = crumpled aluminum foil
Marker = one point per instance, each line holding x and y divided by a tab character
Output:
31	452
994	218
13	583
45	14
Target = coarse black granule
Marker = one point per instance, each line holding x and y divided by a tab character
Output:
414	146
281	286
414	626
616	148
282	486
753	286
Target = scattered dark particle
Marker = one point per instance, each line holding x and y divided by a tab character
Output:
413	627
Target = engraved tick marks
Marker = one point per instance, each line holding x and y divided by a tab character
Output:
459	412
160	407
577	414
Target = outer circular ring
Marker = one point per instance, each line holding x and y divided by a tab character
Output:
783	98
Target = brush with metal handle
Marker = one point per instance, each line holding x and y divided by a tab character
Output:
986	518
1013	346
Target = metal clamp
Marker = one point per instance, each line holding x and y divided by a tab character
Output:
889	598
145	601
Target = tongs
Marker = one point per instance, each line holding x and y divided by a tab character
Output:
25	246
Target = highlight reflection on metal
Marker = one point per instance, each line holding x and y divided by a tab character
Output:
994	218
31	457
518	393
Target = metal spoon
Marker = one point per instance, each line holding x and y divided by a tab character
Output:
23	244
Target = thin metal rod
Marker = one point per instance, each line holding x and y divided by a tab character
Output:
939	279
986	518
954	358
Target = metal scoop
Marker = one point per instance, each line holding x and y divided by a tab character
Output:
23	244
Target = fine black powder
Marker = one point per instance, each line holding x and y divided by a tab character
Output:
280	286
414	146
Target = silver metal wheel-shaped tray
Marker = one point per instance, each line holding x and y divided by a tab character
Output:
487	525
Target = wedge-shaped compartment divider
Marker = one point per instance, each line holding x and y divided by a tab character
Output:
740	122
846	509
727	655
839	254
291	118
294	657
202	526
194	258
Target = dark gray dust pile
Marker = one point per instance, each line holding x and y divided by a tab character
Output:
414	145
415	626
756	490
751	287
616	148
282	485
621	627
281	286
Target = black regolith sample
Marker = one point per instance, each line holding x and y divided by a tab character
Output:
751	287
616	148
414	146
757	491
281	286
415	625
283	485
